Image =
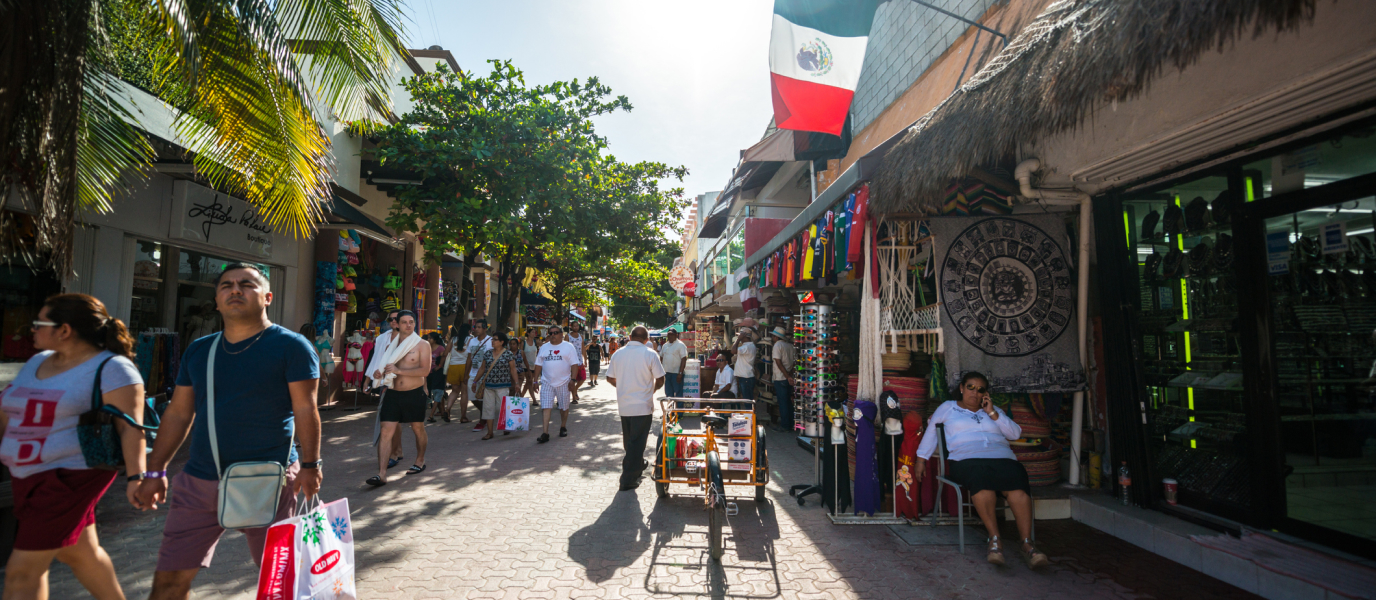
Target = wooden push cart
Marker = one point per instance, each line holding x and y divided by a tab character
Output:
698	447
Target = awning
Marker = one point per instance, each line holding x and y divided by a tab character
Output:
574	314
364	224
675	327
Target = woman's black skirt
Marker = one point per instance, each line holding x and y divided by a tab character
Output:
979	474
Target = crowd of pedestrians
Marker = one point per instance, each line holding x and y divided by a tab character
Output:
248	394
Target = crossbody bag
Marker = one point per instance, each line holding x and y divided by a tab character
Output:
249	491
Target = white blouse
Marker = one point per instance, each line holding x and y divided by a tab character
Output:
970	434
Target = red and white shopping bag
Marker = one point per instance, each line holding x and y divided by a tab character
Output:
514	414
310	556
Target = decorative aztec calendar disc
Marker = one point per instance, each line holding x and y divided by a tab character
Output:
1007	287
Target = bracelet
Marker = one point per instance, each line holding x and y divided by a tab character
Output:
154	474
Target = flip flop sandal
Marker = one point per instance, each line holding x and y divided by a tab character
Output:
392	462
375	481
415	469
487	437
563	432
464	420
544	437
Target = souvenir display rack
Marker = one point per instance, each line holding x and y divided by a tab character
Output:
814	339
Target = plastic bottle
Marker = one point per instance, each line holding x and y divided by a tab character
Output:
1124	483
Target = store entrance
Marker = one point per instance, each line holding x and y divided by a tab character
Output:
1321	279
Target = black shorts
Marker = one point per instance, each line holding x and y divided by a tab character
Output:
594	366
404	407
979	474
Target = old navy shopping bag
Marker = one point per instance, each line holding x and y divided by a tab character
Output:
514	414
310	555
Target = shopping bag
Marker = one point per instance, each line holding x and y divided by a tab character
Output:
514	414
310	555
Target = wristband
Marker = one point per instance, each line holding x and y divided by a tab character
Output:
154	474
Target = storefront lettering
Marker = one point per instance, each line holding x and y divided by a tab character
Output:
218	213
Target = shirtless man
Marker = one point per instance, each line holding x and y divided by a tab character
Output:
406	400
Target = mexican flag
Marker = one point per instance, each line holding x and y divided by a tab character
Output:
816	49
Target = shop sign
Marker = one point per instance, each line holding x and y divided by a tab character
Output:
204	215
1334	238
679	277
1278	252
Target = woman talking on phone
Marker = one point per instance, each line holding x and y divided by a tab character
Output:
980	460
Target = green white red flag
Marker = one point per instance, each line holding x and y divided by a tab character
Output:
816	51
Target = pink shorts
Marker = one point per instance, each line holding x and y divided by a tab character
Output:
193	524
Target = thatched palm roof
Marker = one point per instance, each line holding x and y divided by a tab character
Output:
1074	58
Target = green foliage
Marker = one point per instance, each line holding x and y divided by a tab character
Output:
652	305
230	67
518	171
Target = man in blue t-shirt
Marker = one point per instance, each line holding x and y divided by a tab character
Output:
265	386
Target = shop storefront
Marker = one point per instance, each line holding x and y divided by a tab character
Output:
1250	295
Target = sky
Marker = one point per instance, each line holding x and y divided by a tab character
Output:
696	73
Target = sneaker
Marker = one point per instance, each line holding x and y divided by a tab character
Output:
481	426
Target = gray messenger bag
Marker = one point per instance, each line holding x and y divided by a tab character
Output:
249	491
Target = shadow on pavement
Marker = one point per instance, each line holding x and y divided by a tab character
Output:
615	540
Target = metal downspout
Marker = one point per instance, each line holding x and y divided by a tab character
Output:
1023	174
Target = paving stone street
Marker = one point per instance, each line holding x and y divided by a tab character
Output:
509	518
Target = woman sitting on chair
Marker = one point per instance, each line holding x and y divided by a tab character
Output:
980	460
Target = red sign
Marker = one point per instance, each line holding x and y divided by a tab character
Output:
517	411
325	563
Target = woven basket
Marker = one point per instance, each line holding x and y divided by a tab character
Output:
1036	454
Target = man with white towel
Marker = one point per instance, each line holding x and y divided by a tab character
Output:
405	362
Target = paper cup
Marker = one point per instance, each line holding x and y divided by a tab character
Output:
1171	488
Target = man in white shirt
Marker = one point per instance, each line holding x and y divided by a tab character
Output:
636	373
783	356
674	357
725	383
478	341
745	352
554	368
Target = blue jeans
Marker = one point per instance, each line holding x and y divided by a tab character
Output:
783	394
673	384
745	389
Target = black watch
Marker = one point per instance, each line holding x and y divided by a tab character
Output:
312	465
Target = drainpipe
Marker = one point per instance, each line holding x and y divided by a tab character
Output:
1023	174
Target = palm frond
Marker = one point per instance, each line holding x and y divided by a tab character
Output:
351	46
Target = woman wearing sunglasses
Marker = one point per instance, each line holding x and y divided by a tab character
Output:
55	491
980	460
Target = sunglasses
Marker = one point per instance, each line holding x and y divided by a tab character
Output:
37	324
977	390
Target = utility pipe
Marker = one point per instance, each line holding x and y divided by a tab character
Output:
1023	174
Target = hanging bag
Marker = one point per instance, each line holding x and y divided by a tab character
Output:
97	433
251	490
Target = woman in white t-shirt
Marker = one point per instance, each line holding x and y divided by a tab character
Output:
55	491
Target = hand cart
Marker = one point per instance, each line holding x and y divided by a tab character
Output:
689	453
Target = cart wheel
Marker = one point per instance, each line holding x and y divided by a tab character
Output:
716	510
801	502
761	463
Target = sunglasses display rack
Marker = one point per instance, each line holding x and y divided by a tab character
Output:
814	337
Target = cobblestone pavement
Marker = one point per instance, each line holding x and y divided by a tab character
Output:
509	518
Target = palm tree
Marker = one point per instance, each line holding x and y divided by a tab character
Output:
233	69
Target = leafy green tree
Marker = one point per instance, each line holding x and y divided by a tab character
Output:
234	69
517	172
651	305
